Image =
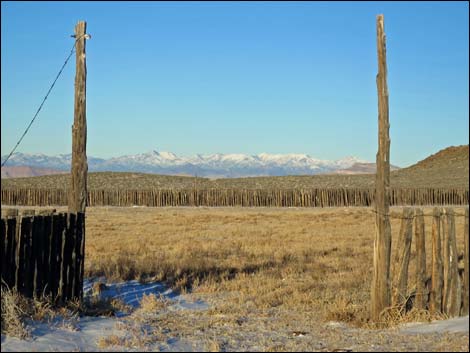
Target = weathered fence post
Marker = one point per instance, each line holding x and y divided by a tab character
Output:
381	296
451	294
78	190
435	303
402	259
78	197
421	290
455	294
445	259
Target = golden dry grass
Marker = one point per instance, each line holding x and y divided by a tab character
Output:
307	261
266	274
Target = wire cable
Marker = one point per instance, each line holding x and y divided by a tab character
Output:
43	101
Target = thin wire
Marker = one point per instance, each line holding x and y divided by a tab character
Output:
43	101
415	216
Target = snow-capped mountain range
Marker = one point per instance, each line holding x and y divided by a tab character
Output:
211	165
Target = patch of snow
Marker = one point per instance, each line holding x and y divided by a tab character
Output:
458	324
131	293
84	333
46	337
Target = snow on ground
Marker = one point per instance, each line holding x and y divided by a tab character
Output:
47	337
458	324
82	334
131	292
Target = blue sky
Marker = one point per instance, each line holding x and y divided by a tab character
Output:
237	77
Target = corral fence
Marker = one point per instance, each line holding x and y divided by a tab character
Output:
239	197
43	253
442	286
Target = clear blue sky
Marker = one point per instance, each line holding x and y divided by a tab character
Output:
233	77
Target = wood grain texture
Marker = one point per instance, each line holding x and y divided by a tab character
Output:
380	293
78	187
421	298
402	260
435	301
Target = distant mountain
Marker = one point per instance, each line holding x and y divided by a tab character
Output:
448	168
26	171
362	168
212	165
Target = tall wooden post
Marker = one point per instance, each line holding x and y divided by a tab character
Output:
381	295
78	188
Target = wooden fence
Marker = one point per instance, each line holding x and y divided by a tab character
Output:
441	286
43	254
238	197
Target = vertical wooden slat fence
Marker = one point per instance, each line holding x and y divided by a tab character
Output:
341	197
43	254
446	290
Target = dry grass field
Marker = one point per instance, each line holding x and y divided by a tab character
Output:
260	269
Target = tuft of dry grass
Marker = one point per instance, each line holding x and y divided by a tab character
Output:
17	310
150	303
110	341
97	306
13	309
394	316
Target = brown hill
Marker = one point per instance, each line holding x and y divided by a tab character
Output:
446	159
26	171
446	169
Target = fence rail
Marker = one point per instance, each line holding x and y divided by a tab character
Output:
43	254
238	197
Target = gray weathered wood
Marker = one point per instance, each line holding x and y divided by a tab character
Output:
58	225
37	255
43	254
435	303
80	255
380	293
71	254
45	212
27	212
78	189
402	260
9	212
445	259
455	292
46	253
465	291
421	290
12	227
